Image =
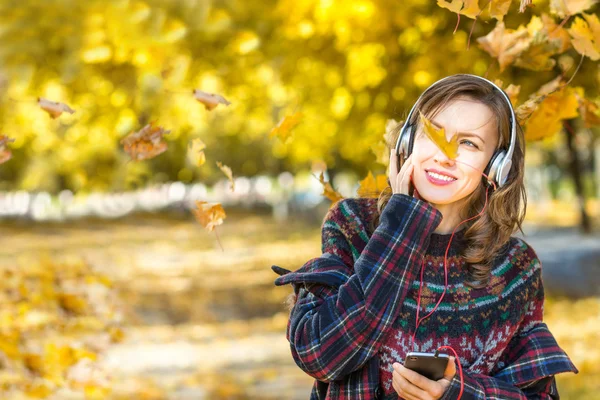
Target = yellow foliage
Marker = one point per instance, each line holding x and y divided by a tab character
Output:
547	119
586	36
53	316
371	186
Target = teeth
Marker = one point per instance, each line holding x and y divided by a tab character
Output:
442	177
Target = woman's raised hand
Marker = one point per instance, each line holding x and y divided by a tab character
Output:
400	180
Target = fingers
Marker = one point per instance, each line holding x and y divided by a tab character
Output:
399	180
406	389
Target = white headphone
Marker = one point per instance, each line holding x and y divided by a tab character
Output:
501	161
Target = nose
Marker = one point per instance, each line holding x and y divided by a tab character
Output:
441	158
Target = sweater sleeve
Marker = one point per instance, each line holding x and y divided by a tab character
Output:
335	331
527	367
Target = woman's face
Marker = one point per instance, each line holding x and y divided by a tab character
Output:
460	115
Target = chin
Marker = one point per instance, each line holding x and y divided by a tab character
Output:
436	196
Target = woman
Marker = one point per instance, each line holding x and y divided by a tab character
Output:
437	269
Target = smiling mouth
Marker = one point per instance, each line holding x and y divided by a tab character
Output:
440	177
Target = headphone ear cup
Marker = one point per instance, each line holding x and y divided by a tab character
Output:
493	169
404	142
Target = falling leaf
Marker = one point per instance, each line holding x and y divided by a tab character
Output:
499	8
371	186
438	136
585	36
469	8
537	56
285	126
55	109
547	119
227	171
146	143
562	8
196	152
210	100
505	44
328	190
555	32
525	110
209	215
5	153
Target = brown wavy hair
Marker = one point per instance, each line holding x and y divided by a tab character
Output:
488	236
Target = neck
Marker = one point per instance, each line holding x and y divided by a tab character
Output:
451	218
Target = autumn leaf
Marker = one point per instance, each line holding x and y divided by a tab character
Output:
371	186
524	111
547	119
499	8
210	100
562	8
328	190
5	153
553	31
209	215
585	36
145	143
55	109
505	44
469	8
285	126
227	171
438	136
196	152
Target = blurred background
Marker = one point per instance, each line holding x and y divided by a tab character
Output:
113	286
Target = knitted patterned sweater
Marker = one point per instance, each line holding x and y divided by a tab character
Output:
355	308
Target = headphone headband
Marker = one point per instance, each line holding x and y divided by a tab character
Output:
500	165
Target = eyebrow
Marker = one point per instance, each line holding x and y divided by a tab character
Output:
468	134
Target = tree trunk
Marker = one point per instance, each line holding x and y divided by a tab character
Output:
575	170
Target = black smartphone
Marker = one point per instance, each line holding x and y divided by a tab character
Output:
427	364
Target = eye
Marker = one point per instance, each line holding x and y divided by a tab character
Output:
474	145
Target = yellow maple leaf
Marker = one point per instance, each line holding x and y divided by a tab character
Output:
209	215
505	44
469	8
371	186
524	111
547	119
284	127
328	190
562	8
585	36
438	136
499	8
555	32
